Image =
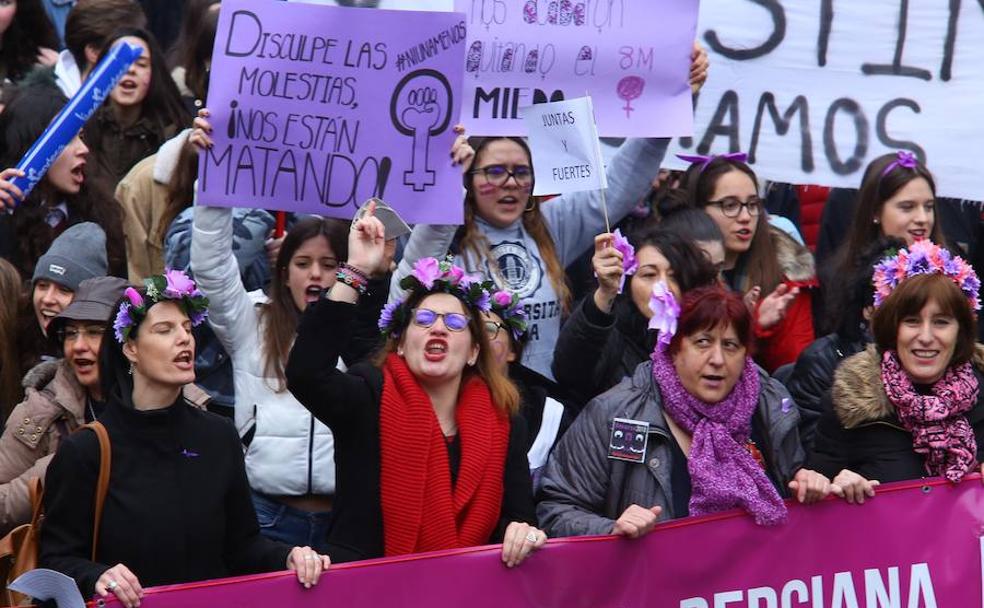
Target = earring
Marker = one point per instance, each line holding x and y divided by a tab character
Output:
399	352
130	371
530	206
876	221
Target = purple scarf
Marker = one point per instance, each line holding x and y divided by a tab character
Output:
939	429
723	474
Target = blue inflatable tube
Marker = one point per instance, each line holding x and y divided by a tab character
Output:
74	115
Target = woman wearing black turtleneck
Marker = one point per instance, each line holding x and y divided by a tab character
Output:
178	507
607	335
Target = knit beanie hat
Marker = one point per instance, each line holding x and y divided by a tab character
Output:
77	254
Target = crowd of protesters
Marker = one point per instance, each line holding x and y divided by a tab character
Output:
347	391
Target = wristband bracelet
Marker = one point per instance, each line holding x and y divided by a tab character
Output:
345	275
353	270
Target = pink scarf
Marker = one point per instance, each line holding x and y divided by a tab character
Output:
940	430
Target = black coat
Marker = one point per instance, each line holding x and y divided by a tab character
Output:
860	430
178	508
812	377
596	350
349	404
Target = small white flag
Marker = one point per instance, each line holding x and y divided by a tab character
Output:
564	141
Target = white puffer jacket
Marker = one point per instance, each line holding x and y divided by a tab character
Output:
289	452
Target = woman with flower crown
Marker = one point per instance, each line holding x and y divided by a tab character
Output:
429	453
699	429
178	504
910	405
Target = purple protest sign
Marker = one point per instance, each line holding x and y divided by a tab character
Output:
316	108
632	57
915	544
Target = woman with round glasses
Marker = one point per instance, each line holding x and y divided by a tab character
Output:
763	262
429	453
523	245
61	396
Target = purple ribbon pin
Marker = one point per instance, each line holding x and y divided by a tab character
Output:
189	454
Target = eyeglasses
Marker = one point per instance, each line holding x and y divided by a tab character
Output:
71	334
454	321
492	329
731	206
498	175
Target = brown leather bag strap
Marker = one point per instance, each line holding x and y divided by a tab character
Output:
102	484
36	489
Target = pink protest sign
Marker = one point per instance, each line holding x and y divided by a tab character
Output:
913	545
317	108
632	57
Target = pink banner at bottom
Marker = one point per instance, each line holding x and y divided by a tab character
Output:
912	546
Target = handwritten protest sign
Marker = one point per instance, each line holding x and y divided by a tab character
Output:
815	91
564	142
317	108
631	56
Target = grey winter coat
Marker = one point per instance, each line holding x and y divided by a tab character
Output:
584	492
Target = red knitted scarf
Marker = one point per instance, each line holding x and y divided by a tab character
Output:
421	511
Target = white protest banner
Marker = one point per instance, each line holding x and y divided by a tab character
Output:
564	142
631	56
814	91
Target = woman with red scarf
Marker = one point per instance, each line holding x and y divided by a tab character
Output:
429	451
910	405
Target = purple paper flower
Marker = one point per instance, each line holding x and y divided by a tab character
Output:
455	275
666	311
386	316
178	284
122	322
502	299
197	317
484	302
629	262
427	270
134	297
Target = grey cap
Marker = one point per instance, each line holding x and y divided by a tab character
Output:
77	254
94	301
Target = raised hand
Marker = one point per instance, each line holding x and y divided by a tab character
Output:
773	308
367	244
202	129
607	264
461	151
10	194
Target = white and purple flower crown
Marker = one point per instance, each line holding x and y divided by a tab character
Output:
925	257
431	276
173	285
512	310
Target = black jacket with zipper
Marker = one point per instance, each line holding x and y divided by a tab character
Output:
860	430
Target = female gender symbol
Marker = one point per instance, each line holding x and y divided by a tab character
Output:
629	88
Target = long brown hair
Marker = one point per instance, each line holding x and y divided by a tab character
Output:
473	241
280	314
11	301
875	190
760	262
504	393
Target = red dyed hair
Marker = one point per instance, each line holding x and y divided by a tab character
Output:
710	307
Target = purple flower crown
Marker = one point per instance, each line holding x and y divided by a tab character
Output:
432	276
925	257
173	285
511	310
